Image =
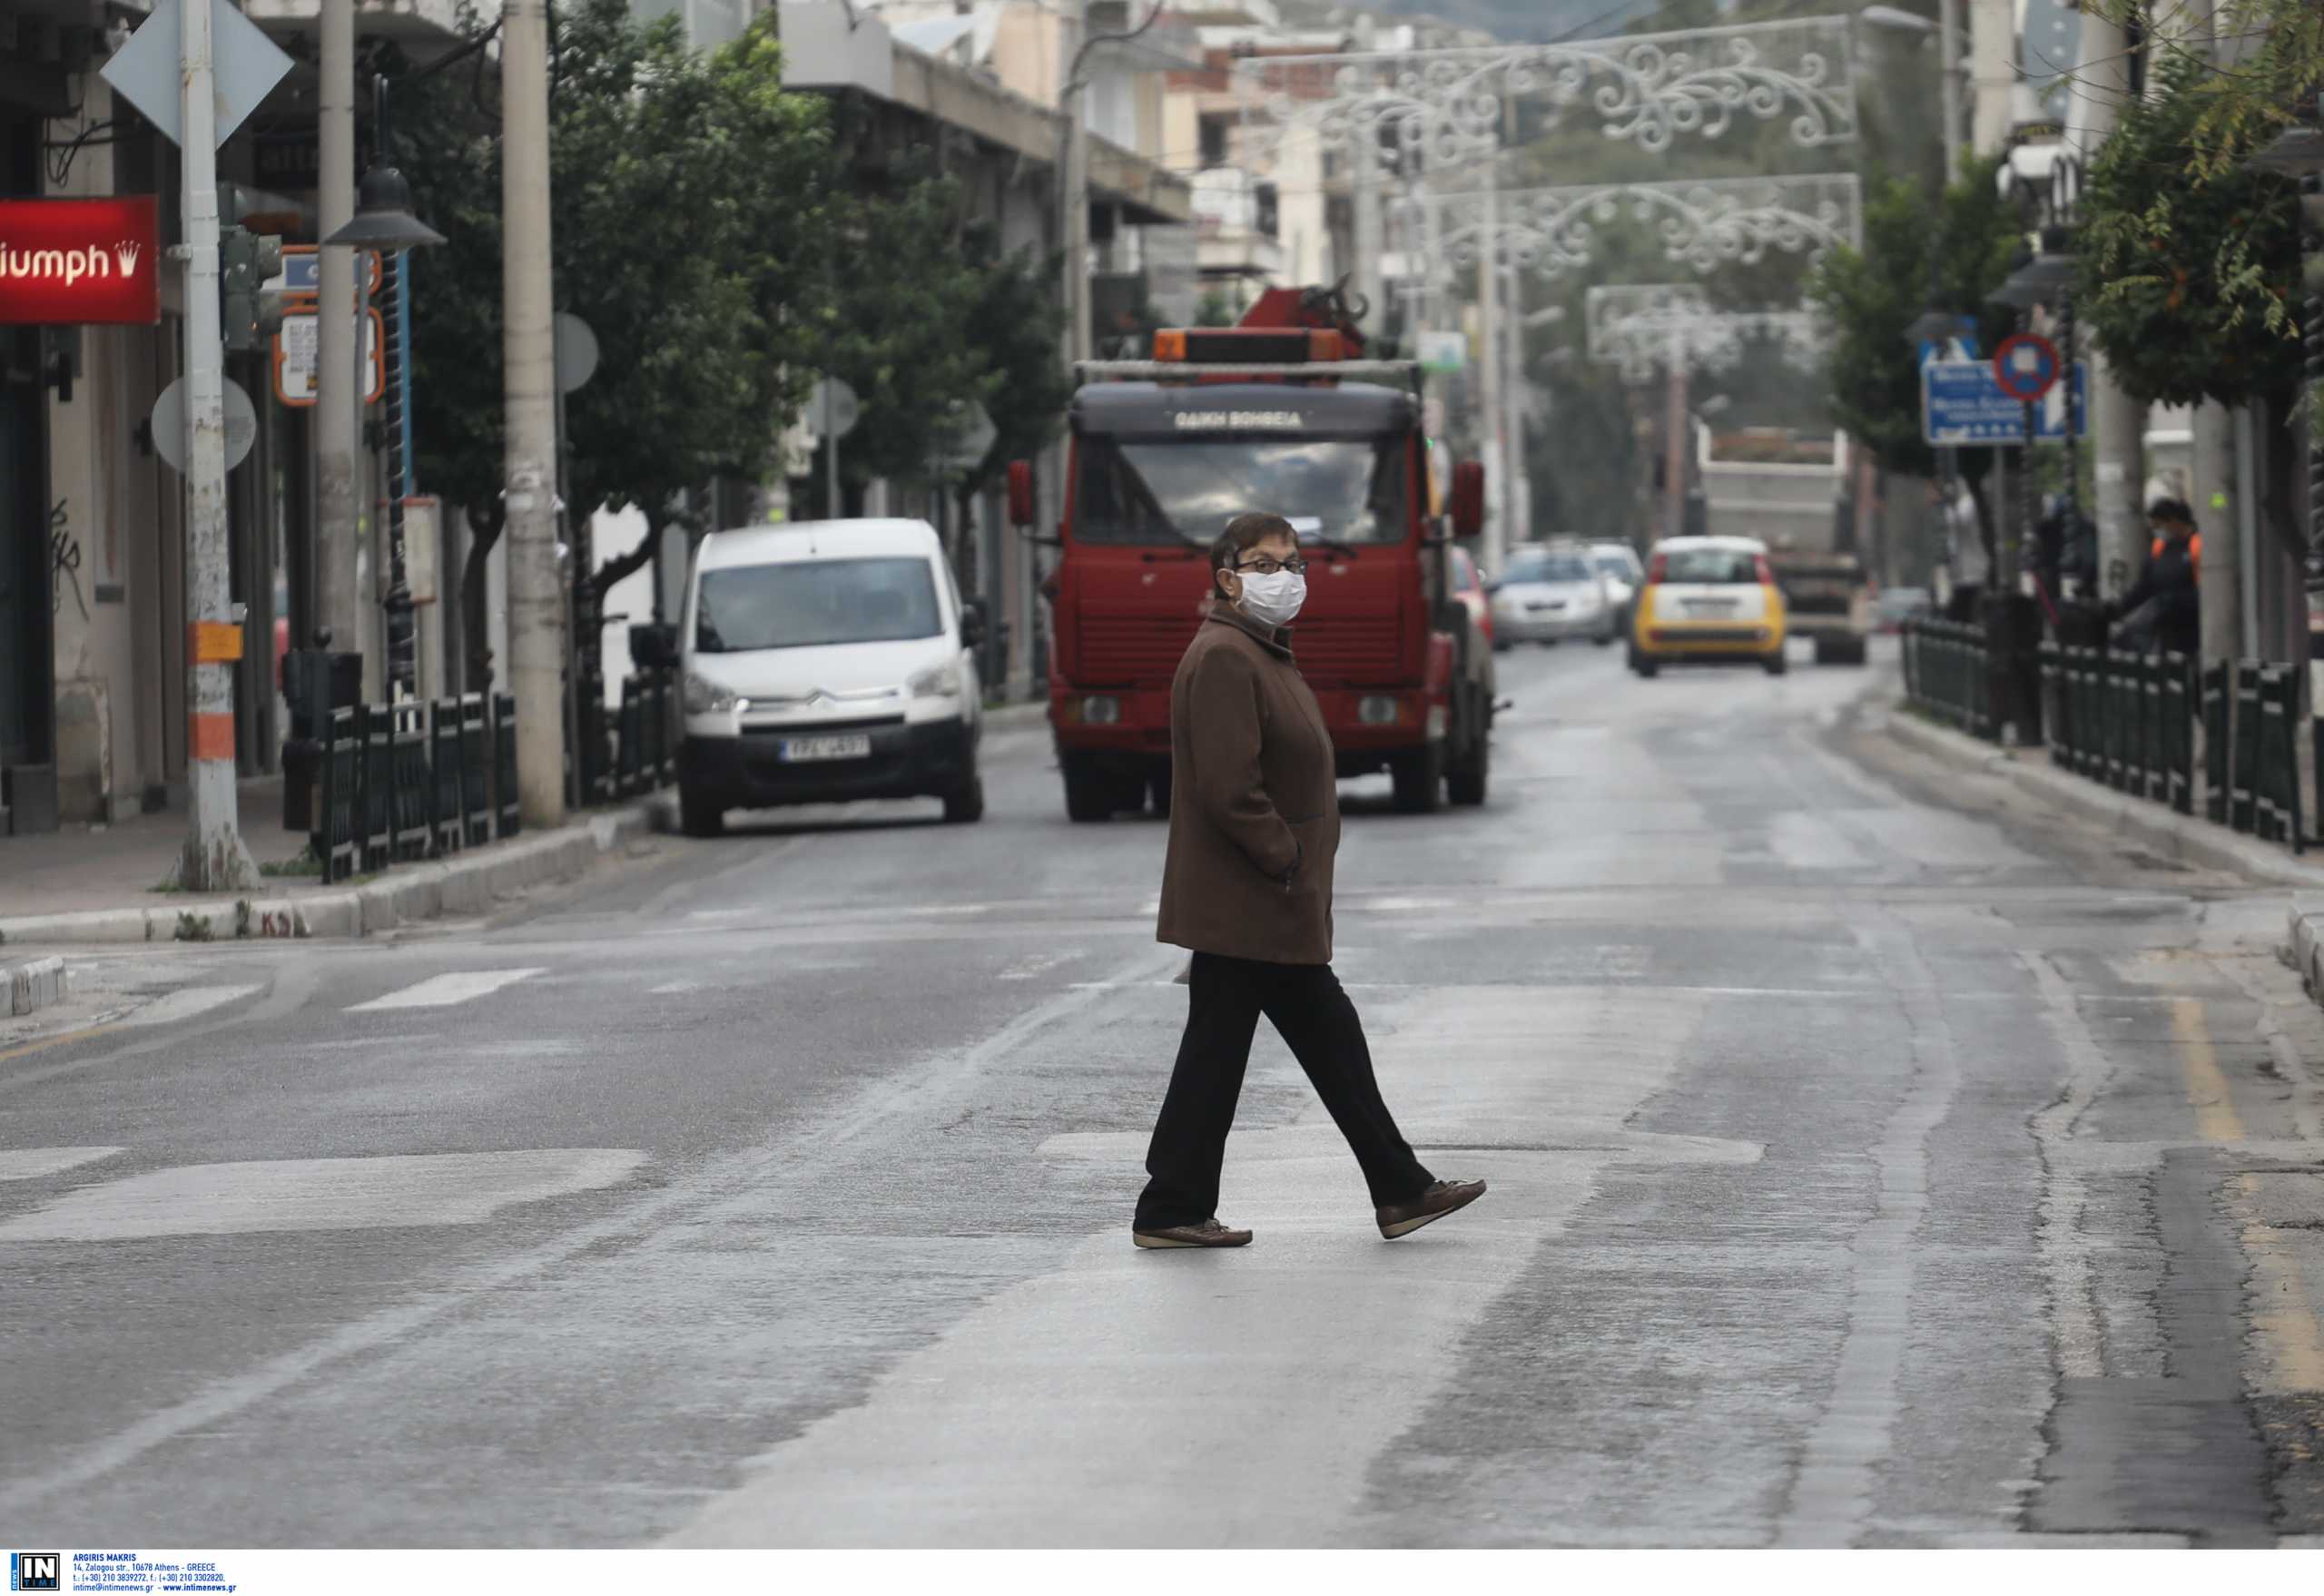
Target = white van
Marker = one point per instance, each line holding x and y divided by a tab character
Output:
825	661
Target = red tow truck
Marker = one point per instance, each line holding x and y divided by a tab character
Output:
1279	413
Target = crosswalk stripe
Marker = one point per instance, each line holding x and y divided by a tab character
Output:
441	991
185	1003
33	1163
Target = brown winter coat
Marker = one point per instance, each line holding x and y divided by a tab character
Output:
1255	811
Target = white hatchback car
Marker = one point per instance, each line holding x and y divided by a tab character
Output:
826	661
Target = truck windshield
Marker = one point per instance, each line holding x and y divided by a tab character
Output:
805	603
1186	490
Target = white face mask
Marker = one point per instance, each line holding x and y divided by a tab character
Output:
1273	600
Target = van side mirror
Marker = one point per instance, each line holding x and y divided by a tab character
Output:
973	629
655	645
1021	493
1468	500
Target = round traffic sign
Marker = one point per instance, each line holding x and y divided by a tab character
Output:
2025	365
833	410
574	346
972	439
169	424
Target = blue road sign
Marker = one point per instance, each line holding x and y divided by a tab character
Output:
1963	403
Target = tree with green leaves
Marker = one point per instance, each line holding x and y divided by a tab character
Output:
1873	295
898	335
2192	287
2245	67
705	328
1015	324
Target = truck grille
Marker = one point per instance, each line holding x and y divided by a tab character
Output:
1121	649
1345	648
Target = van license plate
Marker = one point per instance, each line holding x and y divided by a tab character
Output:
801	750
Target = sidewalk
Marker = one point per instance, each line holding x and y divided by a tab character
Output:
88	884
2168	834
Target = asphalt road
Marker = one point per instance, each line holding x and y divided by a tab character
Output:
1875	1161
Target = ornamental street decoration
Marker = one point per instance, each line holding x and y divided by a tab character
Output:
1642	329
1703	225
1446	106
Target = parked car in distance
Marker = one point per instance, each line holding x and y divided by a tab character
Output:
823	661
1899	605
1708	599
1550	592
1624	573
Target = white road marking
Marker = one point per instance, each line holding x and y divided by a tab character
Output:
185	1003
833	1148
440	991
671	988
32	1163
1038	964
1273	1443
321	1193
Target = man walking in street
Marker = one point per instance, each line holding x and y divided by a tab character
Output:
1247	887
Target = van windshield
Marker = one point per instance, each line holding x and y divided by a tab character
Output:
808	604
1186	490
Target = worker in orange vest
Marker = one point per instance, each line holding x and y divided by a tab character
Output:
2163	609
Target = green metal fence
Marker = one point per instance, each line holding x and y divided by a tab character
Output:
1946	675
2124	719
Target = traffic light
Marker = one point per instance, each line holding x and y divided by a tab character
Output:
249	312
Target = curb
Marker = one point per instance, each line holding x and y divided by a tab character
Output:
465	883
2307	945
2180	838
35	985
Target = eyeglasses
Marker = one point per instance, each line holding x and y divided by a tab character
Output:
1267	566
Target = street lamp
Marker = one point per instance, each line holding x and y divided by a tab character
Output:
383	221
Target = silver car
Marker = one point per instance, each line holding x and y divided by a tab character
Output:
1547	594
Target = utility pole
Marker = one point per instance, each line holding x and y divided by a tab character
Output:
215	859
1993	46
1496	462
339	606
536	643
2117	423
1948	45
1674	443
1364	177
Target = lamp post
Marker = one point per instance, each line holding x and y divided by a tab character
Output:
383	221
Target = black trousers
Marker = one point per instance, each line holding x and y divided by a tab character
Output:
1311	1010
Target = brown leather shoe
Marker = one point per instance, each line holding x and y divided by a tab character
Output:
1210	1233
1440	1199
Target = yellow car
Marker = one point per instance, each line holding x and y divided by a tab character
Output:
1708	599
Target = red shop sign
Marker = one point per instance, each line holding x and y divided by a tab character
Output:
64	261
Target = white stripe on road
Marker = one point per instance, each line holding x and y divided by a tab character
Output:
1243	1398
32	1163
185	1003
321	1193
441	991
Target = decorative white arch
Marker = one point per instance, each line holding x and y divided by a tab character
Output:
1702	225
1640	329
1649	89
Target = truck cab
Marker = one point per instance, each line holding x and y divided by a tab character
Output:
1163	454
